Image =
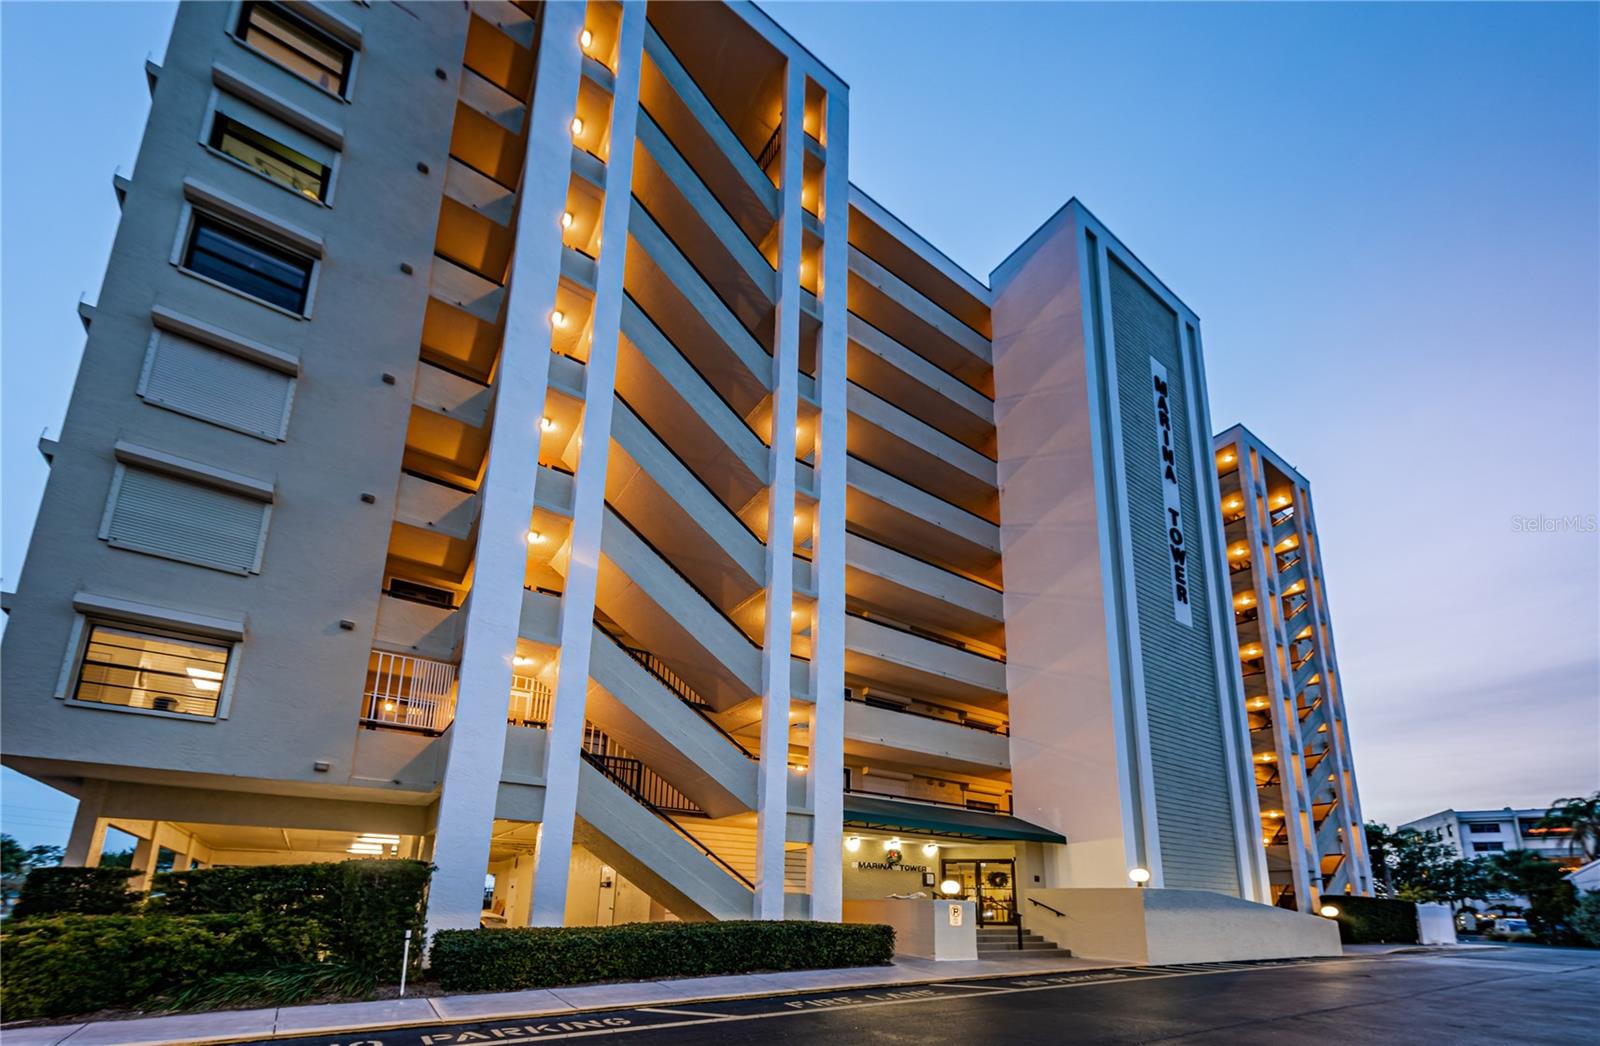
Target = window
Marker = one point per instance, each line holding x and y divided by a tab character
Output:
248	264
216	386
177	519
161	673
1484	827
297	46
1487	848
416	592
286	166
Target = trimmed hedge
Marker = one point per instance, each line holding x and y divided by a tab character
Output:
82	891
363	907
542	957
82	963
1375	920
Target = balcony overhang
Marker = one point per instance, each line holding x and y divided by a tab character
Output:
895	815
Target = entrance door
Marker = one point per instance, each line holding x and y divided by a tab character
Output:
992	884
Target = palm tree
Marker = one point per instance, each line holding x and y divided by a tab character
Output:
1580	817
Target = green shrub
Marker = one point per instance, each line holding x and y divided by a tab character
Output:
81	963
539	957
365	907
1586	918
1375	920
82	891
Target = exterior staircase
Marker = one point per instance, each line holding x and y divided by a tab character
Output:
1001	942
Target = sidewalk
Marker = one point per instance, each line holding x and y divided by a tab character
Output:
348	1018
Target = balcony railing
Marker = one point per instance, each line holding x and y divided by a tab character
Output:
985	804
530	702
413	693
938	713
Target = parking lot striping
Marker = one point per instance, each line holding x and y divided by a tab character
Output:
674	1012
615	1024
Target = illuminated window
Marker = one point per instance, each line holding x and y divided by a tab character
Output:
296	45
277	161
147	670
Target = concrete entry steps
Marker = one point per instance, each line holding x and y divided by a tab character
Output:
1001	942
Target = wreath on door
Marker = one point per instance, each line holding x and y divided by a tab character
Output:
997	880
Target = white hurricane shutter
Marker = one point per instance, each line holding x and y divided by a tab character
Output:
171	517
229	390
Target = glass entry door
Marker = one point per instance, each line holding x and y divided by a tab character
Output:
992	884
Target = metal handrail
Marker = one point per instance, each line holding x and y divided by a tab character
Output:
678	687
933	802
633	793
895	626
769	152
891	706
1047	908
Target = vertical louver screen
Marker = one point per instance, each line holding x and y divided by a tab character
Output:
174	518
202	382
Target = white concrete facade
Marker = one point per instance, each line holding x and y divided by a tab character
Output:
635	511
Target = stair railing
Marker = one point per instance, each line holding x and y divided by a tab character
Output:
600	764
661	673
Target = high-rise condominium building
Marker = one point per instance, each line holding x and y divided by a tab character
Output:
1311	827
506	437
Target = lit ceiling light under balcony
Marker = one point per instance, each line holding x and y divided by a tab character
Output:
577	126
558	318
585	38
535	537
566	219
547	424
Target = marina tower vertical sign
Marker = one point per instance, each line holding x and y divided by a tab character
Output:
1167	460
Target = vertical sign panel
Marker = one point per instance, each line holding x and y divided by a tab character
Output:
1167	461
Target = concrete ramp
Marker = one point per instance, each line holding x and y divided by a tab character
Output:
1162	927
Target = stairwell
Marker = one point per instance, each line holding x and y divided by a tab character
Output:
1003	942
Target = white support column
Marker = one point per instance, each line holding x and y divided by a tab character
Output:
825	782
1303	865
772	781
565	742
88	828
145	852
493	615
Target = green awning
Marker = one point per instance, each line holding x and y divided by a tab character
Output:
896	815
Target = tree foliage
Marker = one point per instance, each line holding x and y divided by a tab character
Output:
1418	866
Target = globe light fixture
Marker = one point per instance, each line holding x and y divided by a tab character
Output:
1139	876
949	887
1328	911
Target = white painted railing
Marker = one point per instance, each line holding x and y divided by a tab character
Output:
530	702
413	692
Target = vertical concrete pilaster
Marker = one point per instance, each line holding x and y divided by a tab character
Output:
825	782
492	616
88	834
772	781
563	750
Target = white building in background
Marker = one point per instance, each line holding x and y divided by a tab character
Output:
1481	833
505	437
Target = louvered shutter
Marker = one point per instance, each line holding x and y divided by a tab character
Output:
205	383
171	517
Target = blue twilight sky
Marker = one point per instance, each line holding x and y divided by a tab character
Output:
1387	216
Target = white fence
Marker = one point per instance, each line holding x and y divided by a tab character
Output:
414	692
